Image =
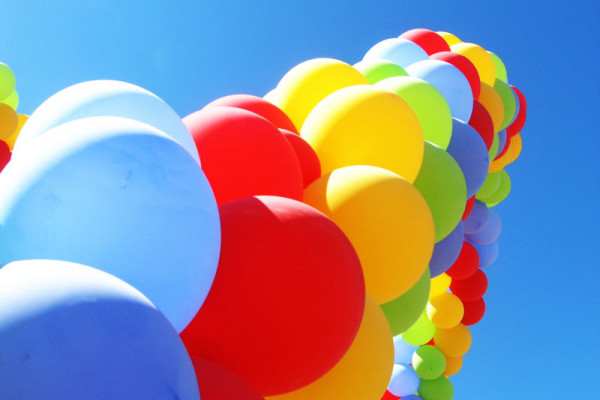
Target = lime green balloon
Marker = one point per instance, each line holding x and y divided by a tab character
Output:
12	100
405	310
421	332
376	70
429	105
442	184
502	191
508	99
489	187
7	81
428	362
436	389
493	152
500	68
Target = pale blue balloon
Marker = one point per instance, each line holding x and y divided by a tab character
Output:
68	331
120	196
446	251
404	380
477	219
403	351
488	253
399	51
490	232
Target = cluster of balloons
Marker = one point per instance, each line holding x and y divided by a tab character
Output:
10	122
325	241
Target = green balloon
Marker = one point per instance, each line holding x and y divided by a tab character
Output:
500	68
442	184
429	105
376	70
420	332
489	187
7	81
508	99
428	362
493	152
436	389
502	191
404	311
12	100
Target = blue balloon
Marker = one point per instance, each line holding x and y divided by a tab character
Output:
399	51
488	253
490	232
450	81
477	219
470	152
446	251
68	331
404	380
403	351
501	141
120	196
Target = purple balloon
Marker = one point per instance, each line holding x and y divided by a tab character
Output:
489	233
488	254
446	251
477	219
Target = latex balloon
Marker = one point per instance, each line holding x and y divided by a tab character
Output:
21	119
12	100
440	284
449	38
519	121
420	332
365	125
218	383
469	207
244	155
490	232
8	121
310	166
305	85
404	311
403	351
429	41
288	297
488	254
453	342
508	100
106	98
399	51
429	105
465	66
404	381
5	155
442	184
500	67
446	251
466	263
495	146
451	83
445	311
502	192
376	69
386	219
68	331
516	145
436	389
504	148
489	187
453	365
428	362
124	198
501	143
474	311
364	371
7	80
469	289
492	102
482	122
480	58
478	218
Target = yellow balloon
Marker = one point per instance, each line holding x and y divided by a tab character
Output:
453	342
21	119
453	365
492	102
387	221
364	371
366	125
449	38
481	59
439	284
8	121
308	83
445	310
514	149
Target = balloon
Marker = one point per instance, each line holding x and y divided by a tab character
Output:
499	66
124	198
490	232
480	58
420	332
439	285
5	155
509	102
466	264
386	219
305	85
488	254
259	106
365	125
449	38
399	51
106	98
519	121
504	148
453	365
68	331
502	192
474	311
428	40
244	155
442	184
364	371
21	119
403	351
7	81
429	106
453	342
489	187
436	389
482	122
288	297
478	218
516	145
468	207
465	66
8	121
471	288
389	396
469	150
495	146
218	383
404	381
404	311
428	362
492	102
451	83
501	143
376	69
310	166
446	251
445	311
12	100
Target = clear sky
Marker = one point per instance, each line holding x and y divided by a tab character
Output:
539	337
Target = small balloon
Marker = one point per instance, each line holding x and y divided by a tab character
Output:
488	254
508	100
503	190
440	284
453	365
453	342
445	311
469	289
519	121
404	380
436	389
5	154
490	232
474	311
489	187
466	263
478	218
428	362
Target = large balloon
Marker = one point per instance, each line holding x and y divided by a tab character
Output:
465	66
399	51
218	383
446	251
307	158
480	58
120	196
288	297
68	331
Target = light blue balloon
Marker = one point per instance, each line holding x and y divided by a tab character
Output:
490	232
399	51
105	98
488	253
450	81
120	196
477	219
446	251
403	351
404	380
68	331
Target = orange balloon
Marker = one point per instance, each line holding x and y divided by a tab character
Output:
8	121
492	102
453	342
453	365
21	119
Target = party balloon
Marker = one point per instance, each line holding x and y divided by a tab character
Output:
365	125
492	102
106	98
305	85
399	51
442	184
488	254
489	187
364	371
404	381
288	297
480	58
310	166
495	147
7	80
490	232
429	41
436	389
428	362
471	288
218	383
500	67
449	38
508	100
124	198
519	121
451	83
12	100
453	342
21	119
446	251
478	218
420	332
504	149
474	311
453	365
376	69
482	122
68	331
429	106
386	219
466	264
468	207
465	66
501	143
502	192
516	146
8	121
439	284
5	154
403	351
445	311
244	155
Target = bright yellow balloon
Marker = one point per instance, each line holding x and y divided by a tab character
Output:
21	119
445	310
481	59
453	365
366	125
364	371
305	85
387	221
8	121
492	102
449	38
439	284
453	342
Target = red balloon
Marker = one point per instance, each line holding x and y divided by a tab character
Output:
243	154
287	299
465	66
474	311
468	207
466	264
519	122
259	106
5	154
429	41
307	157
218	383
471	288
389	396
482	122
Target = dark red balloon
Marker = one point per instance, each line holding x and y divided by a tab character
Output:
468	207
5	154
474	311
471	288
307	157
466	264
218	383
429	41
519	122
465	66
482	122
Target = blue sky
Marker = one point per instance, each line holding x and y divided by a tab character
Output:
539	336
